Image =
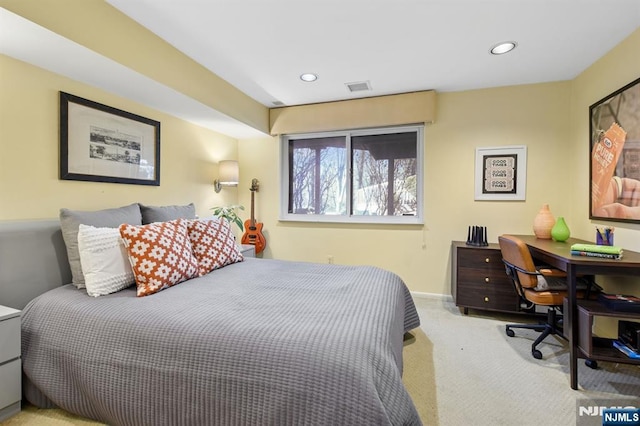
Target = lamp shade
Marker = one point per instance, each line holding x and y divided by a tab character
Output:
228	173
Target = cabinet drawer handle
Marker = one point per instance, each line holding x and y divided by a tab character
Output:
486	299
486	280
486	260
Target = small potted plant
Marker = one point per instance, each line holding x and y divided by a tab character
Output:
230	213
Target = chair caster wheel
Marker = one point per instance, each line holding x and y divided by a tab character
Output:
510	332
591	363
536	354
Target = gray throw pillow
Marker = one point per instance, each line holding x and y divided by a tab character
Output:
151	214
70	221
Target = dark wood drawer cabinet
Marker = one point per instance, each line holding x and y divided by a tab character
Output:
479	280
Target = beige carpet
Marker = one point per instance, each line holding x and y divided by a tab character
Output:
463	370
483	377
419	377
31	415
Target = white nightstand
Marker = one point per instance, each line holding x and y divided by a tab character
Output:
248	250
10	363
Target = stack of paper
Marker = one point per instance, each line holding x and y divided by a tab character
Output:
594	250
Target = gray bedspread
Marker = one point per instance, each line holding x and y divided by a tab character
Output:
261	342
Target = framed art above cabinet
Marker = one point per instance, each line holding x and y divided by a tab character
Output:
501	173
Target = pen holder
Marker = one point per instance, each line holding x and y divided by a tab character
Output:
477	236
604	237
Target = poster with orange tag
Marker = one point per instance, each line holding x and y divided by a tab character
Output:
604	158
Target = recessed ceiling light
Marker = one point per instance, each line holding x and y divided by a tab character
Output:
504	47
308	77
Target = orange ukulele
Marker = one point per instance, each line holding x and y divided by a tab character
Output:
252	229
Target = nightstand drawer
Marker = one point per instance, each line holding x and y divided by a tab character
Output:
485	289
9	339
10	362
494	277
11	388
480	259
486	298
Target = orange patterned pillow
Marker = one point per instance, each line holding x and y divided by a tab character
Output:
213	244
160	254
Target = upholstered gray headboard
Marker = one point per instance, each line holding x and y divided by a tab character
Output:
33	259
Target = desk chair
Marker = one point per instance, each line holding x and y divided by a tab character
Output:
536	286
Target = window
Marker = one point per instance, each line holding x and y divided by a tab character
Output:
372	176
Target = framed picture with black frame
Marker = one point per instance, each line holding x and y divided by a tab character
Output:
614	146
501	173
100	143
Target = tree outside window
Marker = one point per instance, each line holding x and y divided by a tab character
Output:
354	174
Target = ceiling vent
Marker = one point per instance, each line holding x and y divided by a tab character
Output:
358	86
277	103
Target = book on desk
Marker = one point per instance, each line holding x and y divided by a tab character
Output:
596	250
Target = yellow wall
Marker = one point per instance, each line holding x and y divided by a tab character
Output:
29	185
534	115
91	23
551	119
613	71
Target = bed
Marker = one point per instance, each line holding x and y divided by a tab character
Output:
258	342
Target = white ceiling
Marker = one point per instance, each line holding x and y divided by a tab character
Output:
262	46
31	43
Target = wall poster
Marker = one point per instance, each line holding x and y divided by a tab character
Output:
614	168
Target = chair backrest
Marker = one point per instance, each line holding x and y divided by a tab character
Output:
516	252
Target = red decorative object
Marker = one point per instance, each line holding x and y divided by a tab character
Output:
253	229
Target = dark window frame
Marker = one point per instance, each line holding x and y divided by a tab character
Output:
286	205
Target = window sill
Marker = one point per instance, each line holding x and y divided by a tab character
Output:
370	220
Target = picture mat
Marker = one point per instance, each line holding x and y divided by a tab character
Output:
519	154
83	119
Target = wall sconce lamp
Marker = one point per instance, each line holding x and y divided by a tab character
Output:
228	174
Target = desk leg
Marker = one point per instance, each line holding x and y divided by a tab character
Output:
572	317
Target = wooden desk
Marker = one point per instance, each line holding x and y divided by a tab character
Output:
558	254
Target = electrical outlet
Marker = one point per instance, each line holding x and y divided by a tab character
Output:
330	259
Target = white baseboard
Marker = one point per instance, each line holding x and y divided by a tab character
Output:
423	295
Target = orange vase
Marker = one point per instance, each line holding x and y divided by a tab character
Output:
543	222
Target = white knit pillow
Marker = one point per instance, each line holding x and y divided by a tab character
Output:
104	260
